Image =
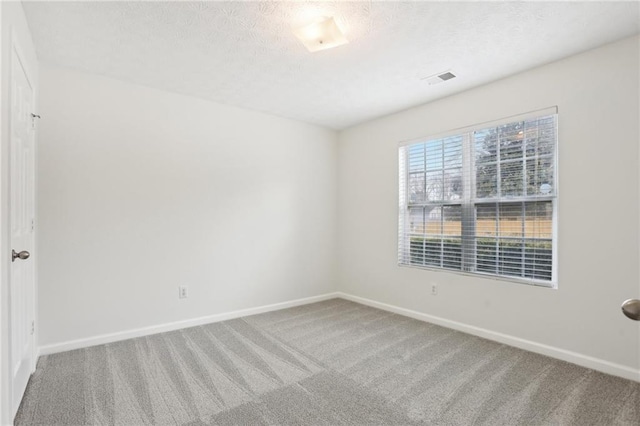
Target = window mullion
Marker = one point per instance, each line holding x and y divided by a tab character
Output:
424	171
442	173
525	192
498	166
468	242
523	249
424	232
404	203
499	192
497	238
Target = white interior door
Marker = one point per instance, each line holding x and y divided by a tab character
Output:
21	217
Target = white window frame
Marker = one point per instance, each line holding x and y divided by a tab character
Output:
403	237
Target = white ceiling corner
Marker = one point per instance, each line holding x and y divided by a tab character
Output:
245	54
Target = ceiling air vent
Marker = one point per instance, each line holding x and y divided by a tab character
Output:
439	78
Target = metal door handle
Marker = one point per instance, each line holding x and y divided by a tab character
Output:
631	308
23	255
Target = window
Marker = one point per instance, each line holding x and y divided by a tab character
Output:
482	200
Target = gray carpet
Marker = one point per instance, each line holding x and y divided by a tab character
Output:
329	363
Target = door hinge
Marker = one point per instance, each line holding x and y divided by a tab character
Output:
33	120
33	225
33	327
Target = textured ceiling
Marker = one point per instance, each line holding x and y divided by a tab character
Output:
245	54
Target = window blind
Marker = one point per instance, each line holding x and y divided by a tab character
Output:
482	200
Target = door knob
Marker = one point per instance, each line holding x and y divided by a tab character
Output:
23	255
631	308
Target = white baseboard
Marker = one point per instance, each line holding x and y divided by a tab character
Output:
562	354
146	331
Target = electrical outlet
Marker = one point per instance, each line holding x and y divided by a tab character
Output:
434	289
183	292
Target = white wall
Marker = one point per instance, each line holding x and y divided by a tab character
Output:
13	28
597	94
143	190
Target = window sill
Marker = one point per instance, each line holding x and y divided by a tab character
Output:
532	282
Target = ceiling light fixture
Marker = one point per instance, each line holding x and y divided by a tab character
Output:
320	35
